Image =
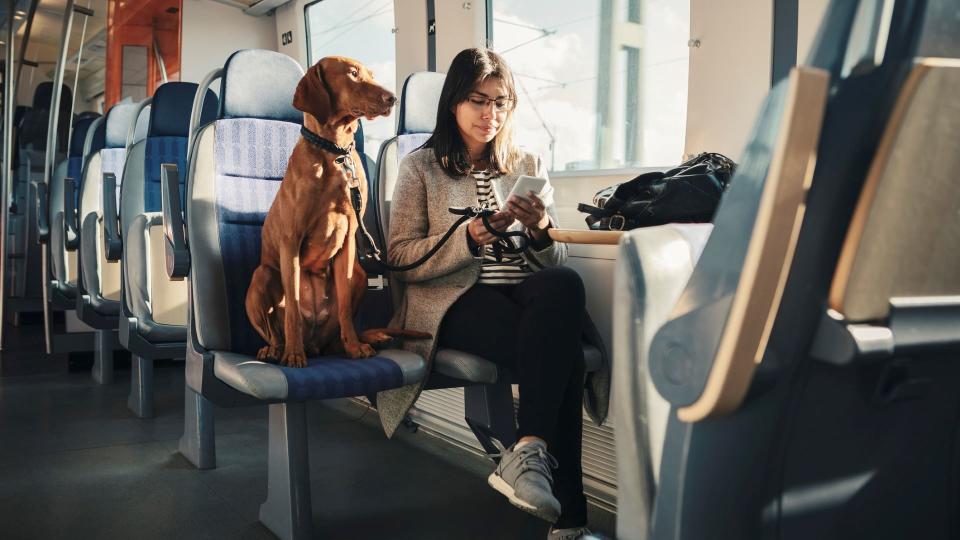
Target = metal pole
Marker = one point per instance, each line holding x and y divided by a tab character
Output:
57	90
51	157
76	75
9	94
26	37
159	57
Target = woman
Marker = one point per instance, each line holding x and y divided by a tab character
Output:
524	312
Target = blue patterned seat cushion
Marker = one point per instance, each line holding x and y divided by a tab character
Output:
335	377
250	158
326	377
161	150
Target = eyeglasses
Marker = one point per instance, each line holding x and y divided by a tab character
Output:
500	104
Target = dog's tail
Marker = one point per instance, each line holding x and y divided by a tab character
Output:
377	336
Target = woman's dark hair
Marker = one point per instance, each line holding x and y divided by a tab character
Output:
469	69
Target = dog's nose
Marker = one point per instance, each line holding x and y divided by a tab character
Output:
389	99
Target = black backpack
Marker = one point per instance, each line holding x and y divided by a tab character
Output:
689	193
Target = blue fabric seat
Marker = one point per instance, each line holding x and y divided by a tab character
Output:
64	265
326	377
98	304
145	323
241	159
237	164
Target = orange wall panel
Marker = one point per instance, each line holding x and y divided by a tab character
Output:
148	23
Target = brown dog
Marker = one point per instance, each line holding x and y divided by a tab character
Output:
309	253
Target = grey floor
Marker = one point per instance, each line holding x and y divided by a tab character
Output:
75	463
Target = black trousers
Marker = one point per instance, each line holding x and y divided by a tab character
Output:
534	329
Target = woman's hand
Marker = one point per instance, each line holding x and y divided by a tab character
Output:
530	211
499	221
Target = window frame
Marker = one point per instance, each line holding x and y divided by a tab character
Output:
306	27
311	61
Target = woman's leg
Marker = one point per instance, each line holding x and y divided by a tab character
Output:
483	321
551	373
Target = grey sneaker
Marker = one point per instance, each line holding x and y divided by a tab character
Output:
524	477
579	533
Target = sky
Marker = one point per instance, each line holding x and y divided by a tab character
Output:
556	74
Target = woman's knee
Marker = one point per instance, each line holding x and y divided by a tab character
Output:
561	283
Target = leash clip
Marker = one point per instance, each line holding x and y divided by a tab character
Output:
349	169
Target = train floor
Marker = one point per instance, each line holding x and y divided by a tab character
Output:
76	463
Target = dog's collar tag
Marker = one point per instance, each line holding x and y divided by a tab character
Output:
349	169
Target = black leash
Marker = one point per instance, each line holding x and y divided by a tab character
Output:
371	254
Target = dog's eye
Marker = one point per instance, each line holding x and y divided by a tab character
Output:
354	72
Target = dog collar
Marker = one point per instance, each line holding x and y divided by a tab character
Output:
325	144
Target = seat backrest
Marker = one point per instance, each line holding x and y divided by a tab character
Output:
97	275
740	276
417	118
32	128
110	159
73	165
239	162
165	142
817	450
903	238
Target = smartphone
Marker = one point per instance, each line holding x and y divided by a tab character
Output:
526	184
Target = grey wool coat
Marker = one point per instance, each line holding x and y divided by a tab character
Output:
419	216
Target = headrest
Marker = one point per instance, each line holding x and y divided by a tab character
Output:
44	93
119	118
143	124
260	84
98	139
418	102
80	129
171	107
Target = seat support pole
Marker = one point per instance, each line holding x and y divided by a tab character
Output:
141	387
287	512
197	443
489	413
103	356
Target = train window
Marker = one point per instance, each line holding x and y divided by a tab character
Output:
365	33
602	85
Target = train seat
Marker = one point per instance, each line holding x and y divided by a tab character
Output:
234	173
22	236
63	285
156	311
153	308
488	397
752	380
98	304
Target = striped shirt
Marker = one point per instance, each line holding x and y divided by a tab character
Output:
512	269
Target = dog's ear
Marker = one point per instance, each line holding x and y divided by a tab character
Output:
312	96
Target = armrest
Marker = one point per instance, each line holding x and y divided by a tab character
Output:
43	213
177	254
71	235
113	245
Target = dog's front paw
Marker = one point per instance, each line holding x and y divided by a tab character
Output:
295	359
359	350
268	353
